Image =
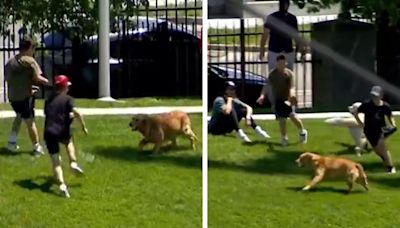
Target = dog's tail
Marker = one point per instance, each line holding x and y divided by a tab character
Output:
363	176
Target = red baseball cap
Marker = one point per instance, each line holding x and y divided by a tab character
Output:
61	81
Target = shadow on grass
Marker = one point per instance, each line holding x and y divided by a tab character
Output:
282	162
5	152
350	149
326	189
173	156
42	183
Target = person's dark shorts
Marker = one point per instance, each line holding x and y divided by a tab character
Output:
282	110
53	141
25	108
373	136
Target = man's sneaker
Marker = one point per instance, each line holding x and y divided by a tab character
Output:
75	168
260	132
241	135
64	190
391	170
38	150
284	141
303	136
12	146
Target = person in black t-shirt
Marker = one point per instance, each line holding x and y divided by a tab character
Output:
375	128
59	111
278	42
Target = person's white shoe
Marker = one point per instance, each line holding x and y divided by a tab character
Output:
75	168
358	151
303	136
38	150
12	146
391	170
260	132
284	141
64	190
241	135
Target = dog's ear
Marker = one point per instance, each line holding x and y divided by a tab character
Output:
310	158
314	159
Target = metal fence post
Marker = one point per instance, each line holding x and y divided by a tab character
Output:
242	58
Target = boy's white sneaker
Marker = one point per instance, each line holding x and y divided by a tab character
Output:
64	190
75	168
38	150
260	132
241	135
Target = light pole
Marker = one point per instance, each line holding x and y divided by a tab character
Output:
104	51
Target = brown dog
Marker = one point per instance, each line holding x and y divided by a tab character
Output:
163	127
333	168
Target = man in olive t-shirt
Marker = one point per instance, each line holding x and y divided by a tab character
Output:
22	72
280	81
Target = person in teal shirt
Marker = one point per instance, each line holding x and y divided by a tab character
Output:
227	113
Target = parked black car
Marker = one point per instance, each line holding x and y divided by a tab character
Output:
154	59
217	75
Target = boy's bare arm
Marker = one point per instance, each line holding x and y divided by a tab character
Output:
79	116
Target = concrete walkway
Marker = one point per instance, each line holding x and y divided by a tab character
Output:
188	109
321	115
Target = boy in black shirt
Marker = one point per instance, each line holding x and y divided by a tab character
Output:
375	110
59	111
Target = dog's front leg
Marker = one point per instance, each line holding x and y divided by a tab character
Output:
142	144
319	175
157	147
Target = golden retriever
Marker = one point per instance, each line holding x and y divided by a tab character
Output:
333	168
160	128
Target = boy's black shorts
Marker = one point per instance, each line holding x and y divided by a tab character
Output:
53	141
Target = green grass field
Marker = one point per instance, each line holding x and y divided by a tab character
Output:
259	185
122	187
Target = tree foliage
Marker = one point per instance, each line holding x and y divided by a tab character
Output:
58	14
368	9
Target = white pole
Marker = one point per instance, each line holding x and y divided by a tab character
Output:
104	50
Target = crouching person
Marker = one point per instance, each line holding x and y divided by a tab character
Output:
227	113
59	112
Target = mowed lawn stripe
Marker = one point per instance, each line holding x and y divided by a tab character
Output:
259	185
122	187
